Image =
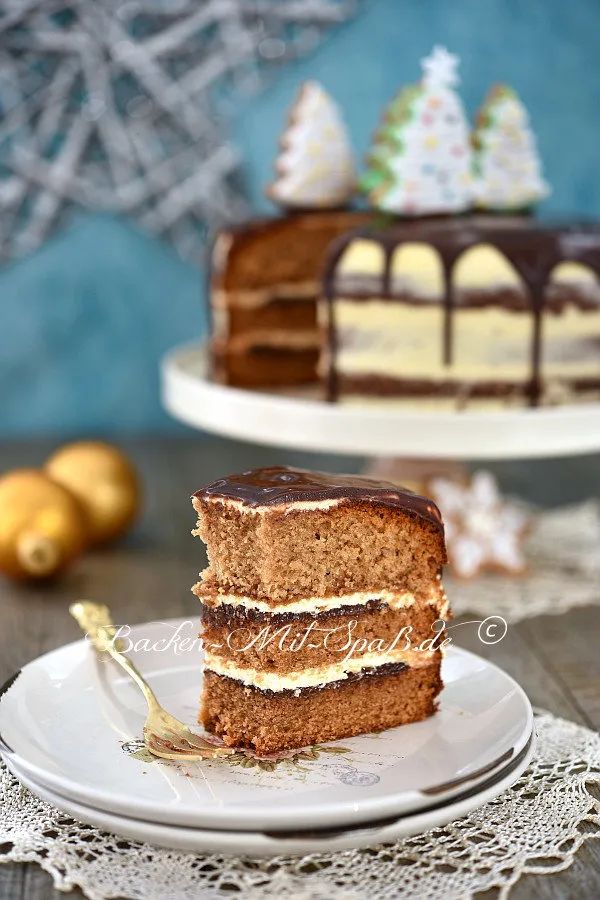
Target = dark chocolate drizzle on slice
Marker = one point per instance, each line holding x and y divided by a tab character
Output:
282	486
533	249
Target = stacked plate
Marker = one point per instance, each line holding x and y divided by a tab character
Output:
71	726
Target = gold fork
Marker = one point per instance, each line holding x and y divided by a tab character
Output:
164	735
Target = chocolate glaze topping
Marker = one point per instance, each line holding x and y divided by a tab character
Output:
533	248
282	486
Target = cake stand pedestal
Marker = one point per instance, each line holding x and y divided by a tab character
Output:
301	420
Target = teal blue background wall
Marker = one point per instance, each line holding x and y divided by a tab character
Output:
84	321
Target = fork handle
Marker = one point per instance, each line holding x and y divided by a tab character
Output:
95	620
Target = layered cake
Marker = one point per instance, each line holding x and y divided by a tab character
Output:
322	607
265	274
479	311
446	293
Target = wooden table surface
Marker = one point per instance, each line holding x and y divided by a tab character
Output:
149	574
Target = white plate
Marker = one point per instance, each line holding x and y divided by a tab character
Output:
64	719
302	422
262	844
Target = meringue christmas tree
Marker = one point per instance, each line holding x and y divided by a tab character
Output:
508	172
420	162
315	167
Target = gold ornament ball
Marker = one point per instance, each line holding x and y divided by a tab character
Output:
105	483
42	526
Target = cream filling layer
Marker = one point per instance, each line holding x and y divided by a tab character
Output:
398	340
292	506
318	675
556	394
251	299
316	605
275	338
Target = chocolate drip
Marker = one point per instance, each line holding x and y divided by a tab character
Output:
336	252
387	273
279	485
532	248
448	315
535	388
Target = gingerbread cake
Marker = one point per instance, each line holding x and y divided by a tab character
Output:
322	607
452	295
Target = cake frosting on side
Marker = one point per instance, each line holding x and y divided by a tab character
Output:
456	312
322	592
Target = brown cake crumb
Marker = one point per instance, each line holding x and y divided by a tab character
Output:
247	717
374	536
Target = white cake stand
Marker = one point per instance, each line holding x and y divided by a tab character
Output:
304	422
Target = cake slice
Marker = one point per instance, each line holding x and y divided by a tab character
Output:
322	607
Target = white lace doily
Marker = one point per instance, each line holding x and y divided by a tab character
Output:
563	559
535	827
